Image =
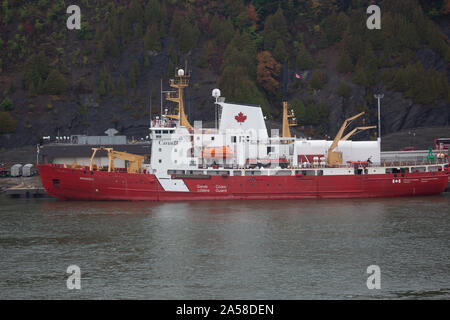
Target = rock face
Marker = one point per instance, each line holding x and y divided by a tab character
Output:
85	112
398	113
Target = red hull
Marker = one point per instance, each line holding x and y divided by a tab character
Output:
81	184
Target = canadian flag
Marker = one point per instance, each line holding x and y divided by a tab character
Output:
298	76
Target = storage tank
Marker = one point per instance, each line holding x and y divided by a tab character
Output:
28	170
16	170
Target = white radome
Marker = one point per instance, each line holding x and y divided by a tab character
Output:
180	72
216	93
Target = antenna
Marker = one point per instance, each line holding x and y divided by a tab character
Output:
150	108
161	98
379	96
285	80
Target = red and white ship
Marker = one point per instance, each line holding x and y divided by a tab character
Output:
239	160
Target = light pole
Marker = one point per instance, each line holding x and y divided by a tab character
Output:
379	96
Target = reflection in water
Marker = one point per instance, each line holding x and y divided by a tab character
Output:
226	250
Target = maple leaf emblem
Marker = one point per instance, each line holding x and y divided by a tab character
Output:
240	117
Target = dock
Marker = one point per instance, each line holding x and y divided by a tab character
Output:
27	193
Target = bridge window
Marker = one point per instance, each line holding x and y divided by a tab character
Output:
237	173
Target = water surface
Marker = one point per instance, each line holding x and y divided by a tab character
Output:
299	249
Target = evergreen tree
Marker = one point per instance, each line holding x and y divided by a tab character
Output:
189	38
279	52
132	78
318	80
345	64
279	23
152	39
121	87
36	69
152	12
304	60
270	35
343	90
56	83
32	92
7	123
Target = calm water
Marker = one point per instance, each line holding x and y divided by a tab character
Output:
226	250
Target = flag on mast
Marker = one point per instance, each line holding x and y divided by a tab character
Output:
297	76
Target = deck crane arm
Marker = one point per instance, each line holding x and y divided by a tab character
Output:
341	131
335	158
135	161
354	131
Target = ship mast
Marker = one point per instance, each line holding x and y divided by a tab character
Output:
180	82
288	118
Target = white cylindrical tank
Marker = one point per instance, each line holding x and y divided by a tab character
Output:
16	170
28	170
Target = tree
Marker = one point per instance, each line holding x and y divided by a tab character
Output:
189	38
300	111
152	12
36	69
152	40
267	72
318	80
7	123
279	23
323	8
7	104
304	60
335	26
56	83
121	88
344	90
345	64
279	52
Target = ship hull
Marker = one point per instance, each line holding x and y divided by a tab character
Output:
82	184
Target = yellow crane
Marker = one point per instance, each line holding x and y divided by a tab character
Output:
334	157
354	131
134	161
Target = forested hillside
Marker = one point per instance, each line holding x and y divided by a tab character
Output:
54	80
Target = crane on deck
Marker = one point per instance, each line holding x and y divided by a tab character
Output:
335	157
134	161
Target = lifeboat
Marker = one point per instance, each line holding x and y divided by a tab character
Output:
217	152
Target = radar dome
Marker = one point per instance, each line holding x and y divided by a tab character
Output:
216	93
180	72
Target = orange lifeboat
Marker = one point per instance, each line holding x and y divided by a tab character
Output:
217	152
